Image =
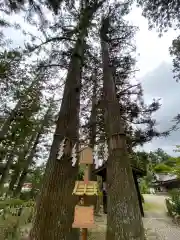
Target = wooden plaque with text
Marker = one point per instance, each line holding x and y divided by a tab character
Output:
84	217
86	156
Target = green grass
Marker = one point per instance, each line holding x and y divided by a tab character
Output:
153	207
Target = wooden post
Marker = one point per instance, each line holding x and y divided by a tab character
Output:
84	214
86	180
84	234
138	194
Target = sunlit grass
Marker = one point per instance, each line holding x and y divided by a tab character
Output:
153	206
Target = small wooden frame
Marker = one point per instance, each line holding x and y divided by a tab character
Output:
86	156
89	189
84	217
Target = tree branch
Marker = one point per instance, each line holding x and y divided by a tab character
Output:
54	39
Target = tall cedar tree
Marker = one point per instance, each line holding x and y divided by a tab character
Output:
55	205
124	217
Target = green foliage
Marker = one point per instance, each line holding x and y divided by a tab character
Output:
169	207
144	188
81	174
160	13
14	216
162	168
174	205
10	203
15	203
139	160
142	199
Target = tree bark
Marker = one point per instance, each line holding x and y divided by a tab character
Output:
124	217
92	122
92	137
55	206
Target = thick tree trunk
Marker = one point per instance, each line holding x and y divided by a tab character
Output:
124	217
92	137
92	122
55	207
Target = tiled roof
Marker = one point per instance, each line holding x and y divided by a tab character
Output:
165	177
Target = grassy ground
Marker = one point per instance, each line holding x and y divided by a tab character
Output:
155	206
152	206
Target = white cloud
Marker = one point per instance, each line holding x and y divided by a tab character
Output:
152	50
160	83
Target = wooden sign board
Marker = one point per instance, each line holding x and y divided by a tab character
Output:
86	156
90	189
84	217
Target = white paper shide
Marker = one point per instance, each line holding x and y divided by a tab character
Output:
61	149
74	155
106	152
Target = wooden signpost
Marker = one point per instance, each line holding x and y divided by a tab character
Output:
84	213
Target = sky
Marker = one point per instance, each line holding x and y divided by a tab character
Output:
155	73
151	50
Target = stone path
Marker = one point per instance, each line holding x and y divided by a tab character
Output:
158	221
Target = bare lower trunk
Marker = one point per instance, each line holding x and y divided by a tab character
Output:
124	217
92	133
55	208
